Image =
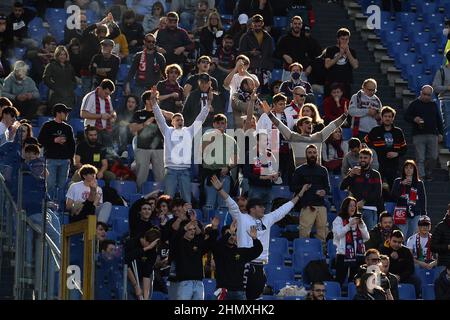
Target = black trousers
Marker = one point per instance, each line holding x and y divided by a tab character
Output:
254	280
342	268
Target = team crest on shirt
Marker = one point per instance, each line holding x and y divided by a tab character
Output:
194	249
237	257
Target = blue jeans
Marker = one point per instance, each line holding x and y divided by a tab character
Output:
265	194
235	295
178	178
58	171
190	290
172	290
410	227
213	200
338	194
370	218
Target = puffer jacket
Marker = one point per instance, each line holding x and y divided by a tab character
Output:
441	240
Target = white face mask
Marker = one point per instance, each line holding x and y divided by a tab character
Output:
446	31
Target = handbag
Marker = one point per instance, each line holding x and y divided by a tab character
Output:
400	215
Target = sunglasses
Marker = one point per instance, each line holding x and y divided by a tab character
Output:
205	61
300	94
150	41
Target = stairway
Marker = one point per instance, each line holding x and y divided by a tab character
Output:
329	18
6	275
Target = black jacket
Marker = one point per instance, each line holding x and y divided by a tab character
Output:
442	287
264	59
441	240
315	175
376	139
377	239
430	114
51	130
366	186
192	108
230	262
403	266
188	255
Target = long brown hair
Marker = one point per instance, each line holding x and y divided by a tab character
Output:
415	176
343	212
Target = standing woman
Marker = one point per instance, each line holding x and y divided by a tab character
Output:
333	151
211	35
151	20
59	76
408	191
310	110
349	234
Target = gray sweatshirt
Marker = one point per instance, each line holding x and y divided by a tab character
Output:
359	107
442	89
13	87
350	160
299	142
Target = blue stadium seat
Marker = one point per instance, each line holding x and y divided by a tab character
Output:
405	18
150	186
77	125
124	188
433	62
426	276
158	295
406	291
210	287
331	251
397	47
428	292
35	131
123	72
351	290
43	91
134	197
280	245
411	74
437	271
308	245
120	226
276	273
389	207
301	259
101	183
111	235
346	134
280	284
427	7
226	18
42	120
406	59
37	33
277	74
333	289
36	23
275	231
119	212
55	14
427	48
268	297
276	258
91	16
281	192
419	37
280	22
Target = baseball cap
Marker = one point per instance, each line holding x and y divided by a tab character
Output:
107	42
2	16
257	17
204	77
424	220
60	107
243	18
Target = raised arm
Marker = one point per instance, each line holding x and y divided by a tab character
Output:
329	129
282	211
231	204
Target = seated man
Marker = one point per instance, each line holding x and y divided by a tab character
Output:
87	189
91	152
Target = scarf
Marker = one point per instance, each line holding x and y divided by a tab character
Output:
143	66
351	253
98	122
410	198
337	145
244	96
296	109
419	251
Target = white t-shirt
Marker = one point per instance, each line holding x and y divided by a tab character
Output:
78	191
411	244
88	104
234	86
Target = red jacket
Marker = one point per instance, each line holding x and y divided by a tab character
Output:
331	110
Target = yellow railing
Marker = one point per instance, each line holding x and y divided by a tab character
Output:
87	228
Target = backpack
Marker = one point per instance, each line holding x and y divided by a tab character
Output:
315	271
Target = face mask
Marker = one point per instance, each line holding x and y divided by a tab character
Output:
295	75
445	32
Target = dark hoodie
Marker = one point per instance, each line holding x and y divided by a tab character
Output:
378	237
442	286
440	241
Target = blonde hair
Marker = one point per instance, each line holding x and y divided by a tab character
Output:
59	50
219	20
20	67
